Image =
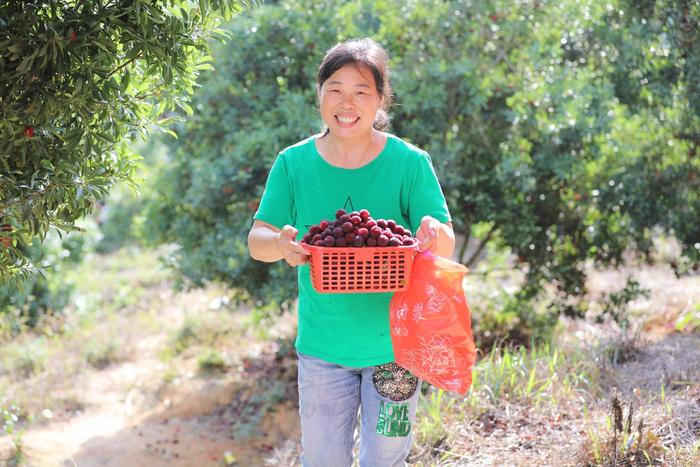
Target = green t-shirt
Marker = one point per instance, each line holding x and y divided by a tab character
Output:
302	189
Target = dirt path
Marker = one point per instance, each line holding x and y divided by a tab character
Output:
192	431
105	438
131	414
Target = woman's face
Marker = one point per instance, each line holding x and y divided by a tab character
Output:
349	101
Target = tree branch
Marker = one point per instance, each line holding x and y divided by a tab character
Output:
128	62
467	237
481	247
24	199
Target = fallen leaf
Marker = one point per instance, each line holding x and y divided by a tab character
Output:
229	458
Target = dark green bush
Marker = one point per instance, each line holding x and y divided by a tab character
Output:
48	291
566	130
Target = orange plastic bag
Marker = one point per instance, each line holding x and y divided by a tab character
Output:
431	324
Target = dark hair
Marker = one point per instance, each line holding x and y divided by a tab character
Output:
361	52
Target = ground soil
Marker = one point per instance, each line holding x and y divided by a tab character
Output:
130	413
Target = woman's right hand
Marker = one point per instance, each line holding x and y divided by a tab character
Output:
292	252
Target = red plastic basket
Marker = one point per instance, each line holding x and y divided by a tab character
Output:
363	269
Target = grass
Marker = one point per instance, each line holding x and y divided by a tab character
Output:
25	357
128	269
211	360
206	329
540	378
553	399
689	320
623	346
101	353
542	374
431	428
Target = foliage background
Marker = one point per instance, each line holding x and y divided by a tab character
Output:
564	134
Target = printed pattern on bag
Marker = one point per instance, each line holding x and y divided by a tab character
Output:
394	382
436	299
402	312
434	357
418	313
393	419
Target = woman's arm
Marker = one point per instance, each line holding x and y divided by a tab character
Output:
269	244
435	236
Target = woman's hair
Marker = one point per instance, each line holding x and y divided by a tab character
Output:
361	52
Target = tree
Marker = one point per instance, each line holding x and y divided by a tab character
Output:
259	99
78	80
546	137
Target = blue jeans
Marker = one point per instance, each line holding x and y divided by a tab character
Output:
330	396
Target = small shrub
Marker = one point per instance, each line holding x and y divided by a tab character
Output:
198	329
689	321
49	289
499	315
189	333
627	442
269	393
26	358
626	345
100	353
10	419
211	360
615	305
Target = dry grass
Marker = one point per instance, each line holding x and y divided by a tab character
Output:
681	428
565	419
661	379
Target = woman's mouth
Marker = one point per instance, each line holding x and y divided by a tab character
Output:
346	122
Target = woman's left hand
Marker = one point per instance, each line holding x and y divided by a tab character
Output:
428	234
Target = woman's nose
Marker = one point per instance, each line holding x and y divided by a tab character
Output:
348	100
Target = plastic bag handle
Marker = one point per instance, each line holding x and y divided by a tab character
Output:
446	266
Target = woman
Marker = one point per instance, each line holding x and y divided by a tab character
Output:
343	341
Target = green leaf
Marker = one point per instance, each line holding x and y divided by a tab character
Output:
24	65
167	75
17	47
70	228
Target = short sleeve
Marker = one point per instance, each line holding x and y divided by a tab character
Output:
426	197
277	202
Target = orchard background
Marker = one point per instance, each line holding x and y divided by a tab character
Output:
136	137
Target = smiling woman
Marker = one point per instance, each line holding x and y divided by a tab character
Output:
346	360
354	95
349	105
